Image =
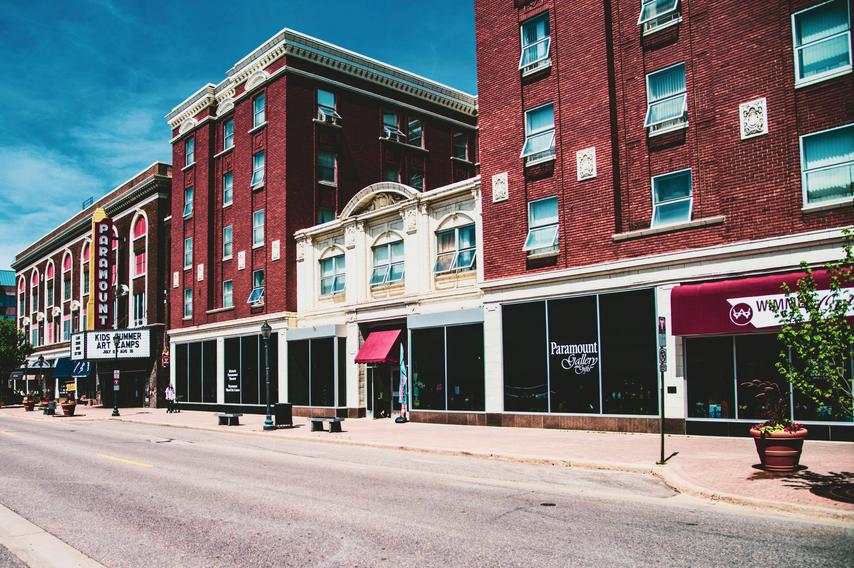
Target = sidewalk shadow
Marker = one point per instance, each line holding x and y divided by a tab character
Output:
836	486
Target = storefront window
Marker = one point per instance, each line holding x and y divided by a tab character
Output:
311	372
245	379
342	371
755	356
574	355
524	347
711	387
806	409
249	369
428	369
298	372
195	372
465	367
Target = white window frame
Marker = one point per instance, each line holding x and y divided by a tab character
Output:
227	183
800	82
139	317
188	249
325	113
338	261
227	243
188	303
386	274
190	151
258	240
669	124
188	203
227	294
689	199
259	115
456	265
804	171
543	62
660	21
395	133
555	246
258	170
409	123
334	180
465	137
228	137
256	296
530	157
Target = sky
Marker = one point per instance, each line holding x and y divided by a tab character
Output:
85	84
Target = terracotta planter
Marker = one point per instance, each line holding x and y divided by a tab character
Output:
29	405
68	409
779	451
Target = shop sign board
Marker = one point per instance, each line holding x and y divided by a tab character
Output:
133	344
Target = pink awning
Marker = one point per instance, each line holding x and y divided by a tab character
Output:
734	306
379	347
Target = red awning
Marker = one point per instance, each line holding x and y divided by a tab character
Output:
733	306
379	347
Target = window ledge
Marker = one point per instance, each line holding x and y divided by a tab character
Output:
224	152
187	318
681	126
188	166
656	29
695	224
326	123
460	160
186	268
828	206
227	258
257	186
331	184
820	78
219	310
404	144
454	274
188	216
257	246
539	161
389	286
224	205
537	69
257	128
547	254
135	276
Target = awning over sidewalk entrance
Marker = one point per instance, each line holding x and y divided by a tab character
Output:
63	368
735	306
379	347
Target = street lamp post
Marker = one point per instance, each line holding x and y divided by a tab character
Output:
116	341
265	333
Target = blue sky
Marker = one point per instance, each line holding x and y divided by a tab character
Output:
86	83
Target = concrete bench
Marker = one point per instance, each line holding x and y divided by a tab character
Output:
317	423
228	418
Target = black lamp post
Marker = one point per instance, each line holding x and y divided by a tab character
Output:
116	341
265	333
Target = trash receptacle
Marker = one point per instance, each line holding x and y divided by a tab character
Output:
283	412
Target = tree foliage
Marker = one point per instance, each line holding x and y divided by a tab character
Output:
14	348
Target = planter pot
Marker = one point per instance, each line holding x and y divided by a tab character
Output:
29	405
779	451
68	409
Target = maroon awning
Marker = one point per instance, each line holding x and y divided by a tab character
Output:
734	306
379	347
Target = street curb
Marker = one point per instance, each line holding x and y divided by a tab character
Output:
670	478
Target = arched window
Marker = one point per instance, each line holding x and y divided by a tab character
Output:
66	277
139	230
48	285
34	291
84	269
22	297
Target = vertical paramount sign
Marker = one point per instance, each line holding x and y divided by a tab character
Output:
100	307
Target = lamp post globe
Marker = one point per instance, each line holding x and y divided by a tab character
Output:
116	341
266	330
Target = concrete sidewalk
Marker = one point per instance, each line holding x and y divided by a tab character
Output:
711	467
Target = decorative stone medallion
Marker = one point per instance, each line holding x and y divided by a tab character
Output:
500	190
585	163
410	219
276	251
753	117
175	279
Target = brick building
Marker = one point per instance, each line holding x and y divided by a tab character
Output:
296	129
54	279
655	158
8	293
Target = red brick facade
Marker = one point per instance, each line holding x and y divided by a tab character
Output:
291	195
733	52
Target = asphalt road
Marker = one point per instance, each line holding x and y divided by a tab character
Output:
135	495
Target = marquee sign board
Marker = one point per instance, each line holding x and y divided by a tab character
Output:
133	344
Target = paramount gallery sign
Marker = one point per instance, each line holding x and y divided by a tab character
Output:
580	358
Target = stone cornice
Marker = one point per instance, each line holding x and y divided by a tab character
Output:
294	44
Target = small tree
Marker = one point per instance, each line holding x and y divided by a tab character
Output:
816	332
14	350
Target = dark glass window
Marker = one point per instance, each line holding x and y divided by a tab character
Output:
249	369
711	388
574	355
524	345
322	372
755	356
181	371
342	371
195	373
273	343
428	369
232	370
629	353
465	367
209	371
298	372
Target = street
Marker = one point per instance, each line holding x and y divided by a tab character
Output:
138	495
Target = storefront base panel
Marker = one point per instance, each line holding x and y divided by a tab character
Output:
597	423
459	418
836	433
239	408
329	412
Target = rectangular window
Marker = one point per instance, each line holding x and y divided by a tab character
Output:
256	296
85	281
190	151
456	249
658	13
822	41
325	214
227	300
326	108
391	127
66	328
332	272
391	171
416	180
536	42
539	134
226	242
227	189
139	263
188	202
326	167
258	113
827	166
188	253
228	134
188	302
415	137
542	226
66	289
48	295
460	143
672	198
139	309
257	170
388	263
258	228
667	99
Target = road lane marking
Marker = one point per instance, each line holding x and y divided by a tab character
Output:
123	460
